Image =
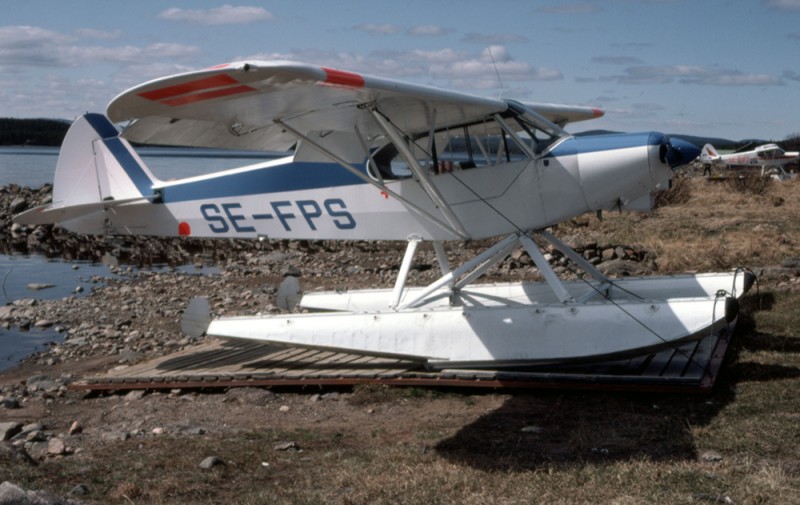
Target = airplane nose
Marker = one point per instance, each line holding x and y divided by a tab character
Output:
679	152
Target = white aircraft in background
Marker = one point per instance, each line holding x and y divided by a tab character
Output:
769	157
378	159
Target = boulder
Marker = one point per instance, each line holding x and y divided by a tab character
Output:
9	429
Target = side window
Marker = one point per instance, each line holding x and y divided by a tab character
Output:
476	145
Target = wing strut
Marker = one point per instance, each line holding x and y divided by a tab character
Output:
420	173
462	276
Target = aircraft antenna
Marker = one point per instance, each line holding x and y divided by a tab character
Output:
497	72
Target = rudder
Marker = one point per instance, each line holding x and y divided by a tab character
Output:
96	165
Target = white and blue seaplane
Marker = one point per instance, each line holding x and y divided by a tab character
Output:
377	159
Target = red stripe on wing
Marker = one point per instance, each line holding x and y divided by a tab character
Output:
342	78
215	81
207	95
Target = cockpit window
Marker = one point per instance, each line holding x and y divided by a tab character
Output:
464	147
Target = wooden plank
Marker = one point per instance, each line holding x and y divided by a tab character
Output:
225	363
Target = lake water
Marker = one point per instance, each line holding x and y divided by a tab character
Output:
34	166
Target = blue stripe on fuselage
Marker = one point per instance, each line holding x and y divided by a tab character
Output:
274	179
132	168
609	142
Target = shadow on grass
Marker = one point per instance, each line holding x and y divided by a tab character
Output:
542	429
536	430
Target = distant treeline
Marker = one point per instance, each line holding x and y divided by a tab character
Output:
34	132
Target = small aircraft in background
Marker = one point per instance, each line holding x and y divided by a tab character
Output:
770	158
378	159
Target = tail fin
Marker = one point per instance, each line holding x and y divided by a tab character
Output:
96	165
708	150
96	170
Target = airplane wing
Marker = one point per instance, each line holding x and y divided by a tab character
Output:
236	106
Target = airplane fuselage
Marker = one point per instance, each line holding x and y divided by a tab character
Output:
293	199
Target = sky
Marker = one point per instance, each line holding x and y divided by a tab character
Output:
721	68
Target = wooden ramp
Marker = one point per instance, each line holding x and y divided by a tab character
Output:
692	367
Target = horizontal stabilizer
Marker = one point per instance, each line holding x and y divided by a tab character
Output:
49	214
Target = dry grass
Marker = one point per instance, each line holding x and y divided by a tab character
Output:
714	228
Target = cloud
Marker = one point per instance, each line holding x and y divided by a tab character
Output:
787	5
27	46
428	31
225	15
446	67
379	29
687	74
32	46
481	71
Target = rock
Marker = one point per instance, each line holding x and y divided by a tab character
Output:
211	462
42	383
622	268
10	403
37	286
75	428
711	457
115	436
608	254
35	436
56	447
79	490
18	204
249	396
135	394
285	446
9	429
10	452
44	323
13	494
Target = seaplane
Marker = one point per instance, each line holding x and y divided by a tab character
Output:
770	158
370	158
